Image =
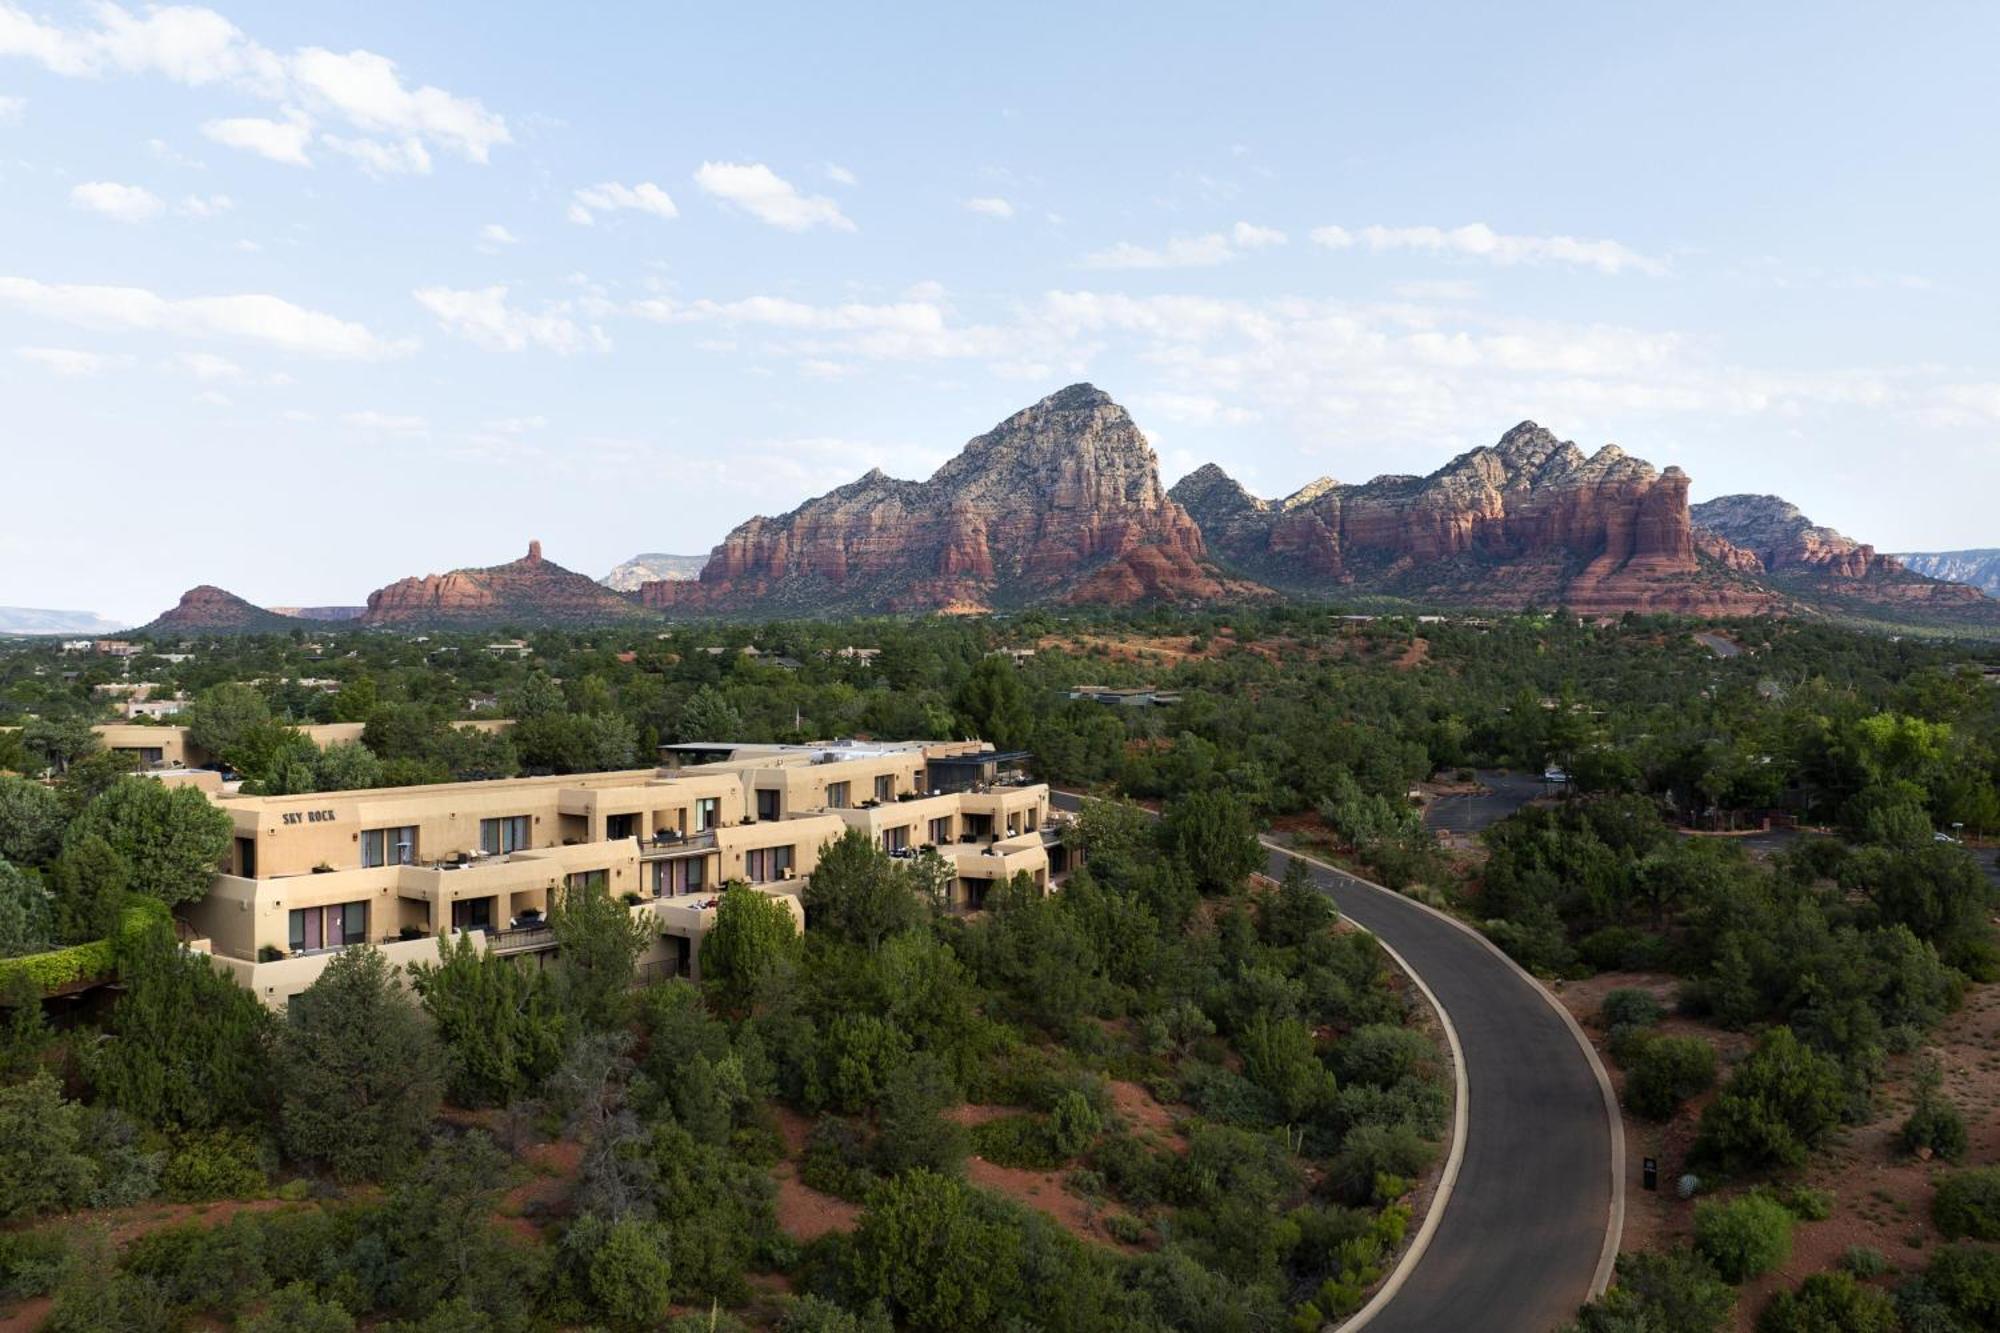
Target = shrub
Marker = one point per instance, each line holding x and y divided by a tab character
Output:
1743	1237
1382	1055
1373	1151
32	1262
1808	1204
1967	1203
836	1160
1934	1124
222	1164
1864	1261
1782	1101
1967	1281
1666	1072
1024	1141
1829	1303
1124	1227
1674	1292
1628	1006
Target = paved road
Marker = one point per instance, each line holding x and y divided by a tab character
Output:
1477	811
1522	1233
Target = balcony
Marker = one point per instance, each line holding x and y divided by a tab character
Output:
660	847
526	939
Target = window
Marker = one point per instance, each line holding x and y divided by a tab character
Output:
472	914
895	839
621	826
885	787
941	829
680	875
707	812
389	846
246	857
766	864
504	835
329	927
767	803
589	879
836	795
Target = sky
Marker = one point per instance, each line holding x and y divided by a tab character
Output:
302	299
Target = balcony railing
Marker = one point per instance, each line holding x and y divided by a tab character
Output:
523	940
657	847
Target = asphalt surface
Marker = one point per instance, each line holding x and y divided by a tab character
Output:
1477	811
1522	1233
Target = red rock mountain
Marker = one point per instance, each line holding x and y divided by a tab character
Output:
1532	520
527	592
211	610
1061	502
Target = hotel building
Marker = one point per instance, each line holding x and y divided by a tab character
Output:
401	867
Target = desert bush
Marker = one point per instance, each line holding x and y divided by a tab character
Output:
1743	1237
1967	1203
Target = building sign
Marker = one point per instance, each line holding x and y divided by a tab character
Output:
308	816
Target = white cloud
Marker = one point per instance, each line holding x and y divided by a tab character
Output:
1479	241
208	366
214	398
122	203
253	317
515	425
991	206
1204	251
408	158
1250	236
386	423
483	316
198	47
840	175
645	197
280	140
11	110
205	206
64	360
768	197
493	234
365	89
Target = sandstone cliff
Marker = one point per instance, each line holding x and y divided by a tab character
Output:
528	592
1817	562
1060	502
211	610
1531	520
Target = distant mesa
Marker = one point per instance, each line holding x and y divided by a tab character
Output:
528	591
653	567
37	620
331	613
1975	569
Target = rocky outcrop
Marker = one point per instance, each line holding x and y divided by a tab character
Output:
1061	502
651	567
1531	520
1975	569
1813	561
321	612
528	592
212	610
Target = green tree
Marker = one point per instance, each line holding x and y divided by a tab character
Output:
58	742
88	883
188	1049
347	766
360	1069
708	716
630	1274
1665	1072
43	1167
929	1252
598	943
1779	1104
858	894
912	1130
1675	1291
1934	1124
173	838
31	821
222	718
295	1309
994	704
498	1020
26	923
1967	1203
752	947
1212	832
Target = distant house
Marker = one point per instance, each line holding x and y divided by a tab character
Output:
133	709
1015	655
865	656
518	647
113	648
1138	696
481	702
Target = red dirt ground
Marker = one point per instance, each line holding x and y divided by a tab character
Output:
1881	1196
803	1212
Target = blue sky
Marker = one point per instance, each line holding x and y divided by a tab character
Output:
301	299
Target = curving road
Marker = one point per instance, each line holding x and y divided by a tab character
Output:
1528	1222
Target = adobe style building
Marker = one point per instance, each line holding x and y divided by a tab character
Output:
401	867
